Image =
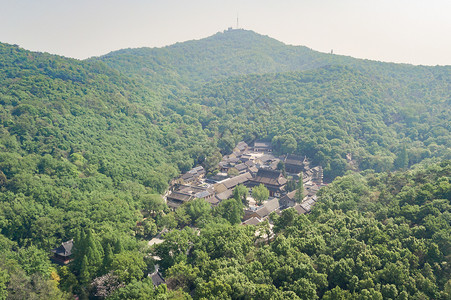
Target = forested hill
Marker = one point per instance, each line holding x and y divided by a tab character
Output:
243	85
86	147
228	53
81	147
236	52
333	111
59	106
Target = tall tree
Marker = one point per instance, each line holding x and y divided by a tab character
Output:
240	193
402	159
231	210
107	259
299	195
84	276
260	193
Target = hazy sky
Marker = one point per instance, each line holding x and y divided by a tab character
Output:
411	31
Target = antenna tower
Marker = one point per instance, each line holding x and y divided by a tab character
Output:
237	23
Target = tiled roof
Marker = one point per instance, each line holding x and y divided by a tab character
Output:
157	278
299	209
241	167
234	181
179	196
252	221
268	207
271	177
224	195
294	160
261	144
202	194
65	249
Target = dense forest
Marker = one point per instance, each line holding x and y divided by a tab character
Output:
373	236
88	147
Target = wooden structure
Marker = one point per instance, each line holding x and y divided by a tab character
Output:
273	180
294	164
261	146
63	254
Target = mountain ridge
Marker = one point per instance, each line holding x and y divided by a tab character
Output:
233	53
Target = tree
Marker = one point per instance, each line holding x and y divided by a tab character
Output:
67	279
291	185
305	289
128	265
240	193
4	278
107	259
181	275
84	276
260	193
118	248
232	172
211	162
153	203
337	294
198	208
94	253
182	217
299	195
214	289
281	167
231	210
402	159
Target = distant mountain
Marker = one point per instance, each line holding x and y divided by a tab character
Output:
229	53
234	52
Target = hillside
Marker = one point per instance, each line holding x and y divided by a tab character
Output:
87	147
59	106
228	53
333	111
233	53
325	105
378	236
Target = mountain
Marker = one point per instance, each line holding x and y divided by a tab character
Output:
228	53
87	147
334	105
231	53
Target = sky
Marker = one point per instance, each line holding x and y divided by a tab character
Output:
403	31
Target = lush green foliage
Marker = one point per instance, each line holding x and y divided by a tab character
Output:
379	236
260	193
86	147
328	113
377	112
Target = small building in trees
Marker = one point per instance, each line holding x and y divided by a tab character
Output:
231	183
62	255
157	278
241	147
273	180
176	199
252	221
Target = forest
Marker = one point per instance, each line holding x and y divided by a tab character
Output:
88	148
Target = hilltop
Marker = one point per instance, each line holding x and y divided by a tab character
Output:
235	52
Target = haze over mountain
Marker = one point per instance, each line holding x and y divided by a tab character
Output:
88	146
230	53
